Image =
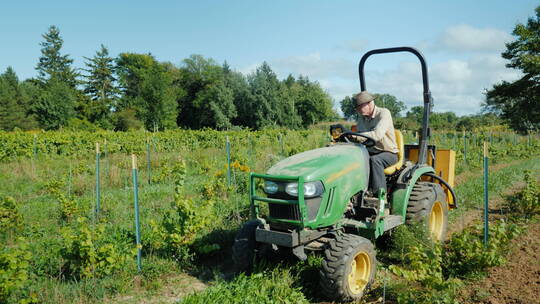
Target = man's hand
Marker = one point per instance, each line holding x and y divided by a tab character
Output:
357	138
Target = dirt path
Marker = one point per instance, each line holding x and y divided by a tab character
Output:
517	281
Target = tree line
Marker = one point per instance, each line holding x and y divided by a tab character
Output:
412	119
135	91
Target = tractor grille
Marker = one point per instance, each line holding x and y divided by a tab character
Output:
292	212
287	212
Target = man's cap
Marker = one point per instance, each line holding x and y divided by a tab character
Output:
363	97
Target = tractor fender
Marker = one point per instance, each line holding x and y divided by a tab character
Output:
400	196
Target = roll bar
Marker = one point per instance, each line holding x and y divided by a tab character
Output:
428	100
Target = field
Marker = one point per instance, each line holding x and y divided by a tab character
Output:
60	247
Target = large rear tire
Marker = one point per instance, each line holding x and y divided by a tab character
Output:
348	268
427	204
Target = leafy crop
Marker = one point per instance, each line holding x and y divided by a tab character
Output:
15	271
89	254
526	202
10	217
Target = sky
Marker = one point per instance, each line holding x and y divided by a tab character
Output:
324	40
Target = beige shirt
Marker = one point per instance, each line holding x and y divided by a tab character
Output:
380	127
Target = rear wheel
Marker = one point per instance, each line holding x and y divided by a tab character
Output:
427	204
348	268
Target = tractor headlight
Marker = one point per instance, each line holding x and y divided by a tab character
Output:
270	187
311	189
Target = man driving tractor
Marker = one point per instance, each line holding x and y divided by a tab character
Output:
376	123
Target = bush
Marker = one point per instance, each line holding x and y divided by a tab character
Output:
89	254
527	201
183	223
14	271
466	255
10	218
266	287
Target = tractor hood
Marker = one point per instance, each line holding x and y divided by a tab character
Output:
326	164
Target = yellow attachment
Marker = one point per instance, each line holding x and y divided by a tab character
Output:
445	167
360	273
401	154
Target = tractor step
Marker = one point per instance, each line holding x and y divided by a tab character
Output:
392	221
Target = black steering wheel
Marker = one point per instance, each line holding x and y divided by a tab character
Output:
369	142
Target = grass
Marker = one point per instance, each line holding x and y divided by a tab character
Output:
27	181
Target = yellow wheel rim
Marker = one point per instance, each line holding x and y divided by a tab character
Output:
360	273
436	221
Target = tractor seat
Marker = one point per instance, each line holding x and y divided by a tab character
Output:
401	153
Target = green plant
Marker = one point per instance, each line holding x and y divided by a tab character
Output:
182	224
527	201
466	255
68	206
89	254
14	271
10	217
272	287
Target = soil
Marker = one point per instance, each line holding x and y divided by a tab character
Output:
517	281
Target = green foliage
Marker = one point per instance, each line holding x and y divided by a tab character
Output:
12	103
100	85
88	253
390	102
466	254
68	206
15	271
526	203
56	104
52	64
126	120
10	217
434	271
518	102
209	101
146	87
309	101
272	287
183	222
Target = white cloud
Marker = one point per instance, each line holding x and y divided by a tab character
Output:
457	85
355	46
465	37
314	66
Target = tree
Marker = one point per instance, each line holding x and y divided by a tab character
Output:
271	103
52	64
390	102
57	80
209	101
348	107
12	114
100	86
310	102
147	89
55	106
518	102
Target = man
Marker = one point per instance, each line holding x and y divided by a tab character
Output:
376	123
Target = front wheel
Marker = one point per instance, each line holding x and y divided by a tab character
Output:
348	268
245	246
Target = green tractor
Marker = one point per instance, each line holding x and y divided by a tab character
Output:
315	201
